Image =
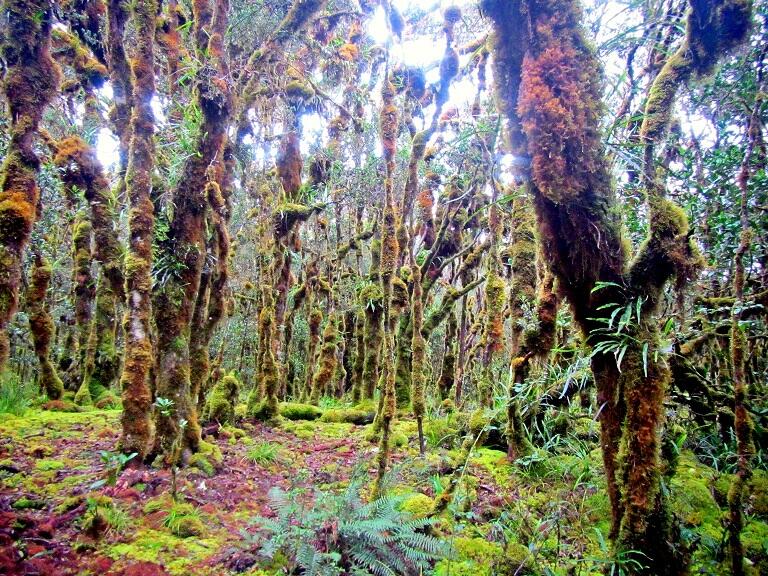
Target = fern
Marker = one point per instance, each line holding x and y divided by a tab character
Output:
342	534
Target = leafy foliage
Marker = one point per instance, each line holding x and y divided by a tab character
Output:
15	396
327	534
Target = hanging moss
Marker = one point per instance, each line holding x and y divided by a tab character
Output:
713	27
287	215
289	162
31	82
92	73
41	327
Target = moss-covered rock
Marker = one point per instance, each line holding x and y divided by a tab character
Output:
348	415
203	464
758	492
754	538
297	411
60	406
211	451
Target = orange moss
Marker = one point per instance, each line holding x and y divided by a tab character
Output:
559	105
349	52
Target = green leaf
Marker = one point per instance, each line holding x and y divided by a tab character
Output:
645	359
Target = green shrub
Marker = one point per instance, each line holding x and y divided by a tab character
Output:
263	453
15	397
184	520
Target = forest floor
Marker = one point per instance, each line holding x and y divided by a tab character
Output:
547	515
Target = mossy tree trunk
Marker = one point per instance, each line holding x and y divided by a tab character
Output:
739	350
198	188
211	303
388	260
41	327
548	88
137	428
31	82
81	169
418	357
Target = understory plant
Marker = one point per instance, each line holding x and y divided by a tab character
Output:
328	534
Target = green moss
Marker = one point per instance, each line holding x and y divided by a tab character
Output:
176	554
472	557
758	492
202	463
25	503
211	451
69	504
496	463
754	538
108	401
347	415
83	396
418	505
517	556
398	439
222	400
60	406
49	465
232	433
297	411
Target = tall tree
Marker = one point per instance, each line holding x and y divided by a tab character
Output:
31	82
548	88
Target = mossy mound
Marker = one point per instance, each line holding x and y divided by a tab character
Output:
758	492
221	402
25	503
83	396
108	401
471	557
61	406
348	416
297	411
418	505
